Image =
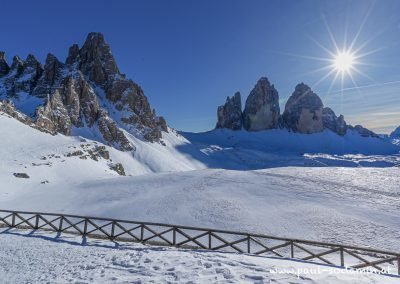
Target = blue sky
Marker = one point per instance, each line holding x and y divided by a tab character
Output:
190	55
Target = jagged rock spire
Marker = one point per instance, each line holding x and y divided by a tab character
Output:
96	59
230	114
73	54
262	107
17	64
333	122
4	68
303	111
68	95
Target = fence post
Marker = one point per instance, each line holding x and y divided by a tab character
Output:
248	243
85	227
398	264
112	230
341	256
174	236
37	222
291	249
13	220
142	232
209	240
61	224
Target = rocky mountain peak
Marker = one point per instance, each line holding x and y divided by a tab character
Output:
31	60
395	133
51	74
262	107
86	92
17	63
230	114
335	123
32	65
4	68
303	111
96	59
73	54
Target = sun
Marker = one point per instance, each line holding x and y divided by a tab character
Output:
343	61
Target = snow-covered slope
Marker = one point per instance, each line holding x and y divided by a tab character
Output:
279	147
175	183
60	159
42	257
311	203
342	205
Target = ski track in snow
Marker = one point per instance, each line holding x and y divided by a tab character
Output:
39	257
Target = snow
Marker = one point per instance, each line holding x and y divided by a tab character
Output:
31	257
272	182
341	205
278	147
26	103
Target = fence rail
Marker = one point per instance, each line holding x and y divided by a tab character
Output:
208	239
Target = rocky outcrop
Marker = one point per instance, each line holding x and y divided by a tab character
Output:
96	60
364	132
332	122
112	134
396	133
21	77
8	108
73	55
88	91
118	168
4	68
51	77
129	98
53	116
230	114
303	111
262	107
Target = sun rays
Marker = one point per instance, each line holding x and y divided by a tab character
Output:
343	61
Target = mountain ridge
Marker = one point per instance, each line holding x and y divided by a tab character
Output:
304	112
87	91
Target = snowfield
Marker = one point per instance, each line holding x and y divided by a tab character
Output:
341	205
31	257
277	183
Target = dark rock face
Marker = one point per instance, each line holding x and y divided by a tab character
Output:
262	107
21	77
75	93
395	133
50	79
364	132
112	134
230	114
129	98
21	175
73	54
118	168
96	60
53	116
303	111
332	122
4	68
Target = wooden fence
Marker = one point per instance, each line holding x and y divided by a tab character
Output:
208	239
